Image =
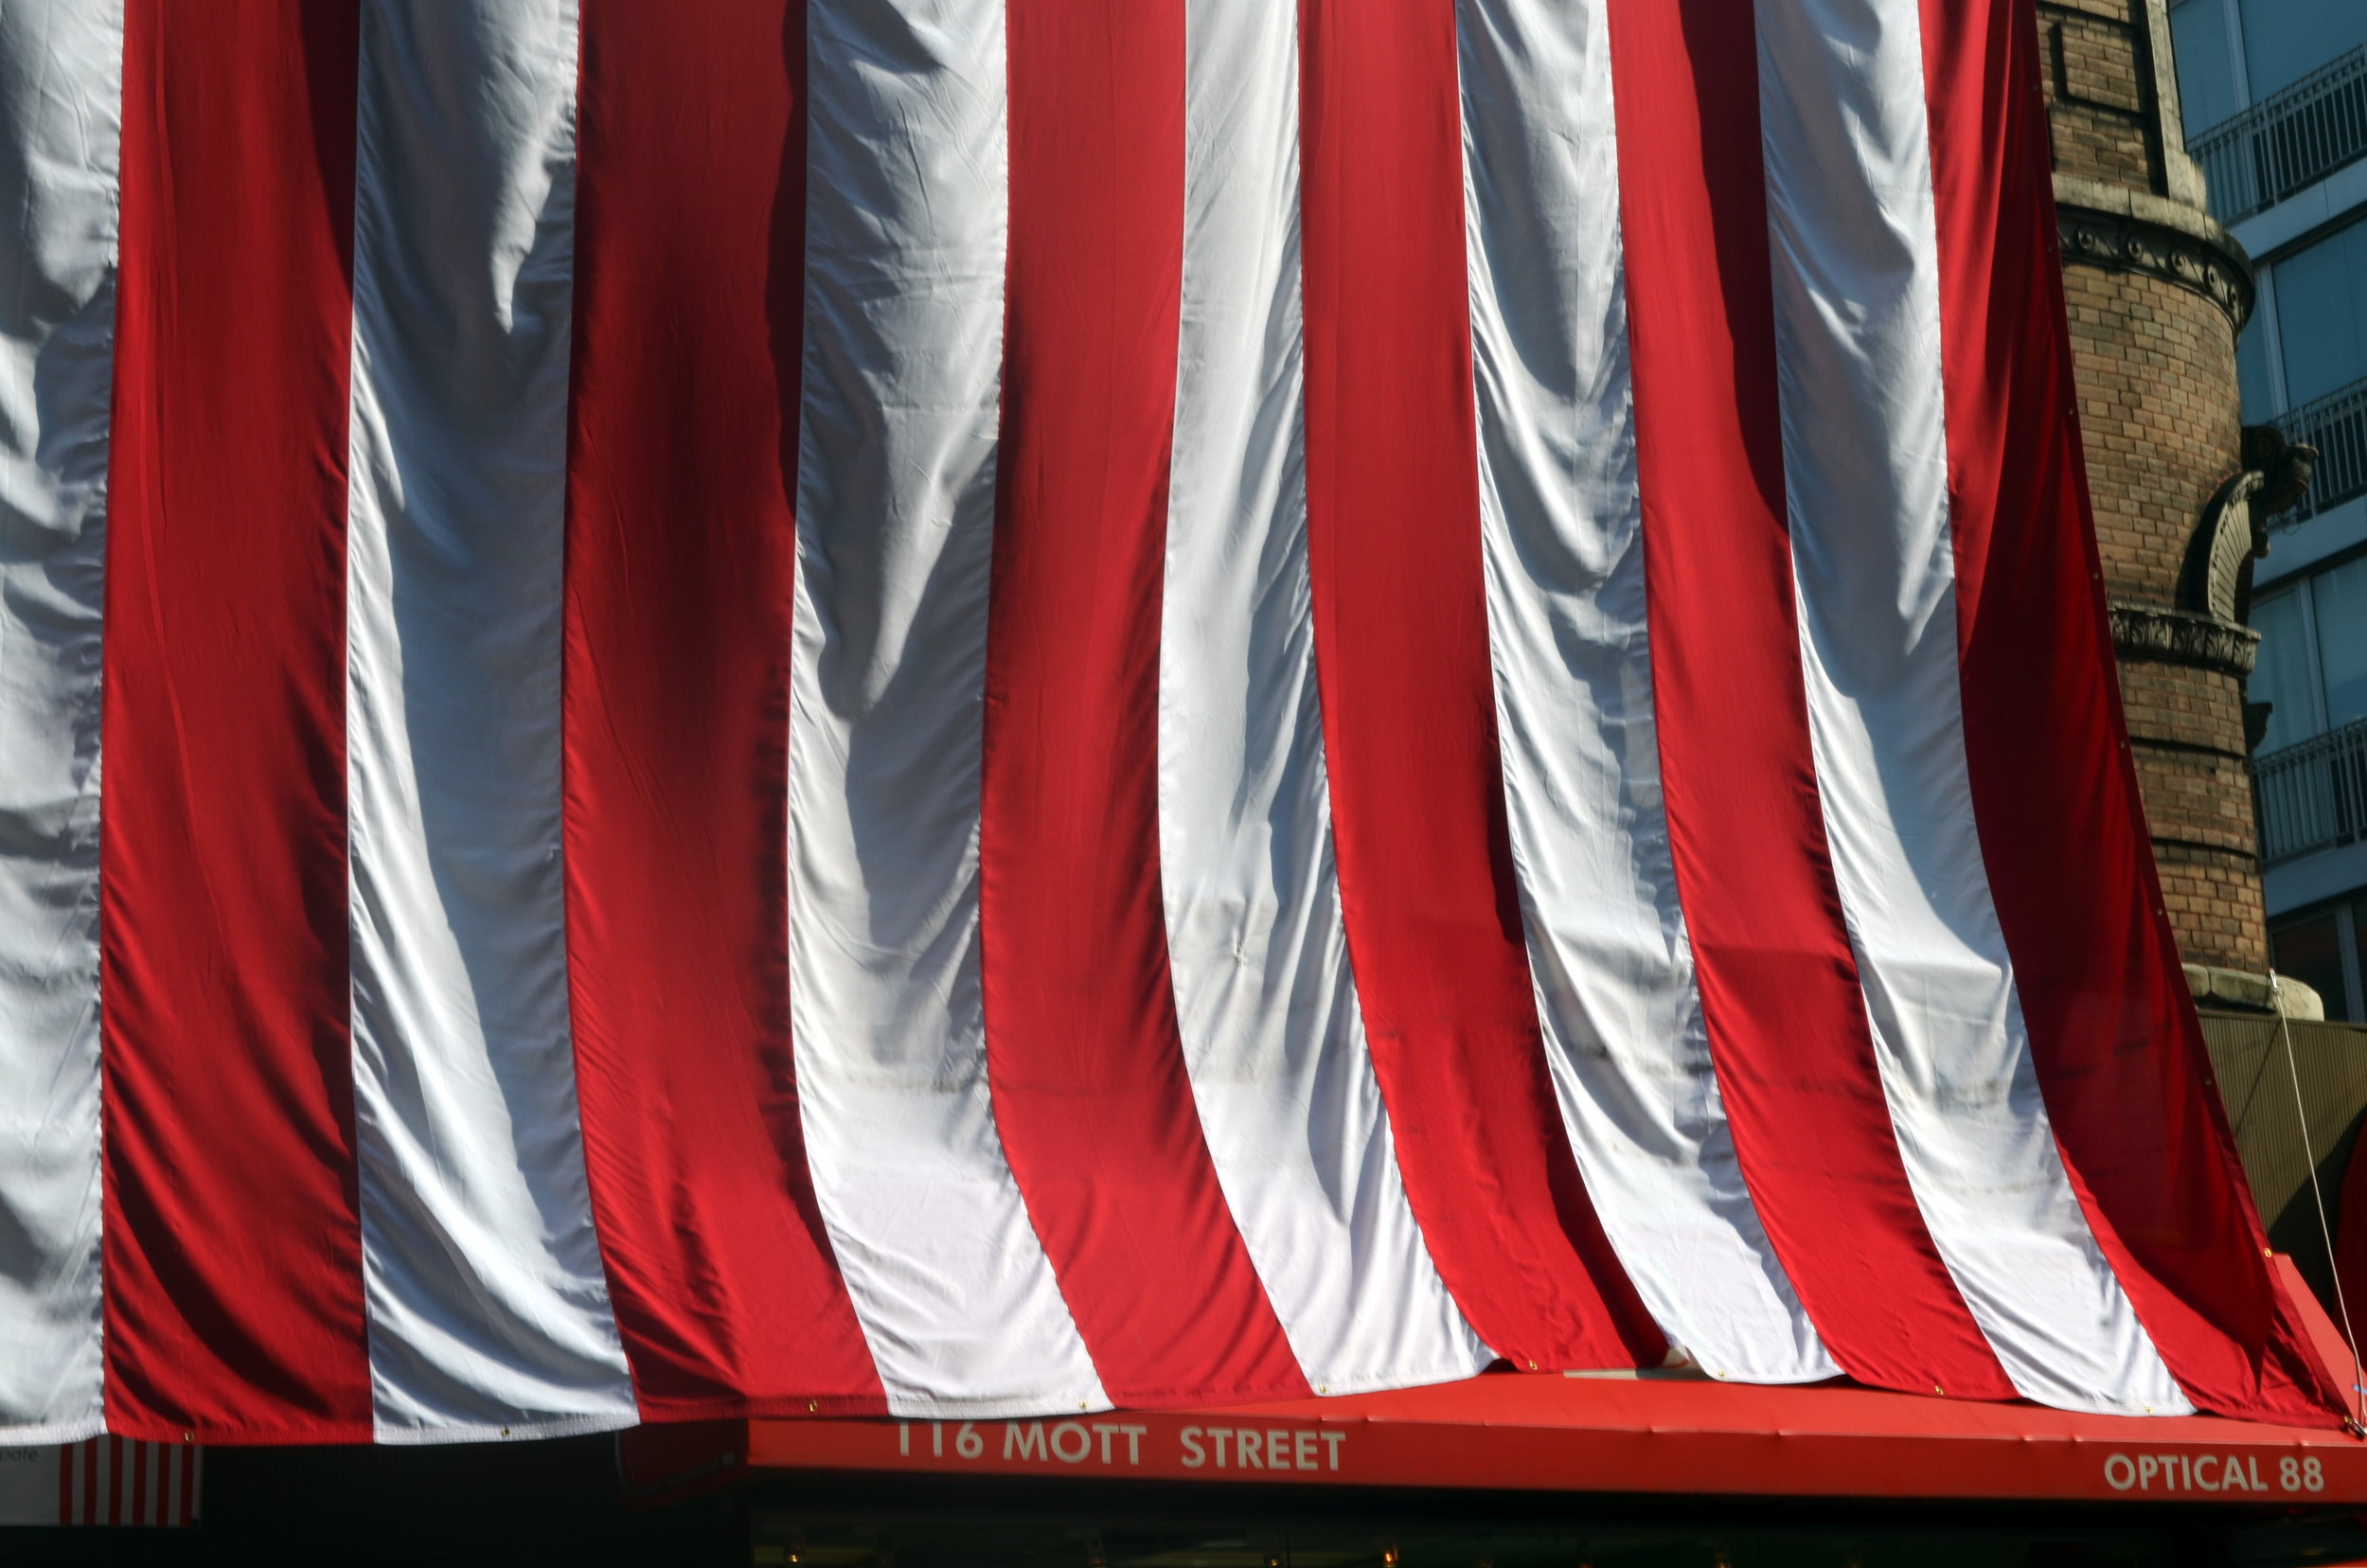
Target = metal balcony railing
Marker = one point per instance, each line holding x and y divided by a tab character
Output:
2336	424
2312	795
2286	143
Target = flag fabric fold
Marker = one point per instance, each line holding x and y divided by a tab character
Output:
974	707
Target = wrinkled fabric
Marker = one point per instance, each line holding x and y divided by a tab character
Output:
61	124
1000	708
487	1307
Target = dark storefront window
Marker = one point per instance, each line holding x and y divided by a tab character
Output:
2310	950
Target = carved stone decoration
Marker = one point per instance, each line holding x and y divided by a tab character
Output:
2217	577
2182	636
2216	580
2127	243
2256	724
2285	465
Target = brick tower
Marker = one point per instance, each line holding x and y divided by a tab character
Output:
2156	292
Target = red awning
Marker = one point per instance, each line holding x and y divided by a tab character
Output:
1568	1433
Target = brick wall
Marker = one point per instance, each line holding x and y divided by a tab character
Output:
2099	101
2159	416
2159	419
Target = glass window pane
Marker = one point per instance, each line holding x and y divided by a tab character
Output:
2341	615
2252	368
2322	314
2206	76
2285	40
2285	670
2310	950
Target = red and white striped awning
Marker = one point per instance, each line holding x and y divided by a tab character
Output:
997	708
101	1481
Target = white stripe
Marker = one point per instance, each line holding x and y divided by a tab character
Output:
907	214
487	1307
1273	1037
1855	248
1562	526
60	133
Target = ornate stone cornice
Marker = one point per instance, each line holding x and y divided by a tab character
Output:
2123	230
2181	636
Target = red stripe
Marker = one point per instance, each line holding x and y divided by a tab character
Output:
683	467
86	1457
114	1480
232	1250
1426	877
1787	1020
2118	1048
1084	1058
66	1453
139	1484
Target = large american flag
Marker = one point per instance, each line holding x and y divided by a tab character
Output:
1001	706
